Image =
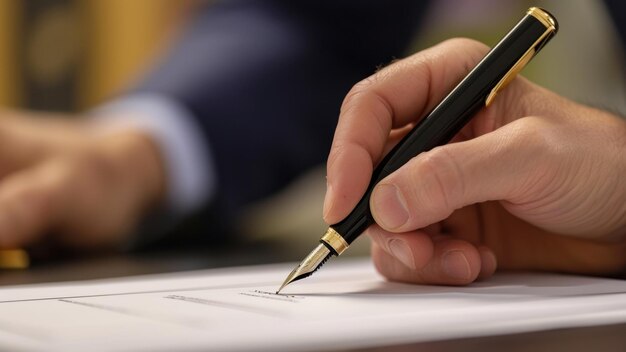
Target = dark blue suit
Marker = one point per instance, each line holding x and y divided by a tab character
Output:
266	78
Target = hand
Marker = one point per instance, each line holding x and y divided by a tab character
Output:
65	183
532	182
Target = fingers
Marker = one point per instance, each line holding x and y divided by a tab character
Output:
29	205
413	250
63	195
90	198
417	258
511	163
393	97
26	139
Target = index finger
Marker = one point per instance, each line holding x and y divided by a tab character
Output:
391	98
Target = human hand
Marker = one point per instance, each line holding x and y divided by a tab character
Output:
532	182
65	183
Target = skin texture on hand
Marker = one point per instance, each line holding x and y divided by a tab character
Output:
64	183
533	182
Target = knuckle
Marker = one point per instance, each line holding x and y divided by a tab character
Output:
535	100
539	160
466	43
442	177
530	134
336	152
528	99
356	92
471	48
364	94
367	111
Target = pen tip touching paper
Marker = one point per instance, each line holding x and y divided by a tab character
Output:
308	266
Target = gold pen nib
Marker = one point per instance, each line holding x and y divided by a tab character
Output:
312	262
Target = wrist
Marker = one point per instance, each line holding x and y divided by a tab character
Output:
138	163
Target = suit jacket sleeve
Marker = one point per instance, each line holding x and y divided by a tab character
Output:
265	80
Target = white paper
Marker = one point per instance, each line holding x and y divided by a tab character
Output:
345	305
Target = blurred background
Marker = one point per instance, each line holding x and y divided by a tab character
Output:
71	55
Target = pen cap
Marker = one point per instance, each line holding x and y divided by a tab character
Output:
539	26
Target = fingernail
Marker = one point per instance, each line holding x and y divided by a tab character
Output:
400	249
328	199
455	265
389	207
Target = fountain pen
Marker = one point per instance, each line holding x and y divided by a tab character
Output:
477	89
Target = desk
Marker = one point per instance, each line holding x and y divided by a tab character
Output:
602	338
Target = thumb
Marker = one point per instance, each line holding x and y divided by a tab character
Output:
501	165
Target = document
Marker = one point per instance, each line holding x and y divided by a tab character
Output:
346	305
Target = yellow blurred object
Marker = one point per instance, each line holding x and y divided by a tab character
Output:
124	38
10	23
69	55
14	259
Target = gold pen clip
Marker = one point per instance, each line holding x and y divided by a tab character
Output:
547	20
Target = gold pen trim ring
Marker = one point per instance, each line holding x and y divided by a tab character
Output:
334	239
